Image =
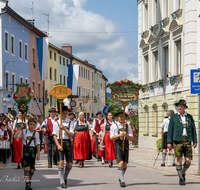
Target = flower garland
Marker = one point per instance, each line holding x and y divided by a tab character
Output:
151	87
172	80
124	82
161	83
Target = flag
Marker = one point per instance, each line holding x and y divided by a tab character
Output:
42	49
73	71
104	109
110	104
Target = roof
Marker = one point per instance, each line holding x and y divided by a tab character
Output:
24	22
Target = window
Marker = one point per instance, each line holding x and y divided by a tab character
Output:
79	71
20	49
50	100
164	8
154	12
12	44
84	73
63	61
92	95
50	54
38	90
54	56
92	76
67	61
64	82
55	75
13	82
6	41
33	86
33	50
26	52
60	60
7	80
145	17
155	65
166	62
146	68
178	57
50	73
88	75
26	81
60	78
21	79
147	120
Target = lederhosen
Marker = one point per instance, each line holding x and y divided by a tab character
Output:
67	148
82	144
183	147
164	141
17	144
30	155
120	156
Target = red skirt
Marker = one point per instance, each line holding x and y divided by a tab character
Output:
93	145
109	147
17	150
82	146
45	145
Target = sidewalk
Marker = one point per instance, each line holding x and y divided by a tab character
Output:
146	157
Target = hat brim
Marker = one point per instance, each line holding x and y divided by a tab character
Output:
176	104
121	112
98	113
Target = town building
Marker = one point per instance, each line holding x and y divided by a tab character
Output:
167	51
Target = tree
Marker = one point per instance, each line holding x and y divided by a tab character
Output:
115	106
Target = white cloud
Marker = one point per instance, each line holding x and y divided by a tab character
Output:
110	52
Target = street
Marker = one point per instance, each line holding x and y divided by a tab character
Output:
94	176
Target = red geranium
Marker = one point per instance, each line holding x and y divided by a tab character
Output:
118	83
129	81
122	82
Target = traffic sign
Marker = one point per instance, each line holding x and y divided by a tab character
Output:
195	81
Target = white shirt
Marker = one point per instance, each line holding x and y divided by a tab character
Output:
2	133
52	120
165	125
56	129
27	134
183	118
114	129
15	123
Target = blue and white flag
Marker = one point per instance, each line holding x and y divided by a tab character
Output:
42	49
110	104
73	71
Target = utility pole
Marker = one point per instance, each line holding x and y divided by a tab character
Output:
47	15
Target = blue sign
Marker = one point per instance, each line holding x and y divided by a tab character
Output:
195	81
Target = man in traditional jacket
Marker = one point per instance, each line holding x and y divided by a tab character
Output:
182	133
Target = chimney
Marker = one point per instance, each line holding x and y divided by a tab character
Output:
67	48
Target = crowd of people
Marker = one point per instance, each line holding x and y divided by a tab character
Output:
81	139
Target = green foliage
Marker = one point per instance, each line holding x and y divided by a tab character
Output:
114	108
159	145
134	120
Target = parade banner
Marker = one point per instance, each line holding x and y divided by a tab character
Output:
60	92
124	91
22	97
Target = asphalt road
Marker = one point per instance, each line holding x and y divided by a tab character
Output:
94	176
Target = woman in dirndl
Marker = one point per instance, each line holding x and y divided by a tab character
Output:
82	146
109	144
17	141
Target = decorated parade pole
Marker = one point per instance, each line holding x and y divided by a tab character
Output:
22	97
60	92
124	91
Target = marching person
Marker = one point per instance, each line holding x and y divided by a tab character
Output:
51	146
101	154
31	148
109	144
82	146
4	135
182	132
117	134
96	129
164	127
67	133
17	141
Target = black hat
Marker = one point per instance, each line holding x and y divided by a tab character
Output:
2	114
99	112
183	102
72	113
65	108
120	112
52	109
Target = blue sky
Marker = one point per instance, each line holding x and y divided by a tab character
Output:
72	21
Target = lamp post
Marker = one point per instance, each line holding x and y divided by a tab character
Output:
5	67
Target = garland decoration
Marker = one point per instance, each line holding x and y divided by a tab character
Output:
172	80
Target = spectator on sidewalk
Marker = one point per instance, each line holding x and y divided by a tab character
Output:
164	127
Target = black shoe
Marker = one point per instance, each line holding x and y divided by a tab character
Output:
66	182
63	186
106	161
173	164
28	187
18	167
181	182
183	177
110	165
49	166
123	184
98	159
162	165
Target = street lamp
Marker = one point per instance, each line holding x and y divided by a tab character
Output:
5	67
